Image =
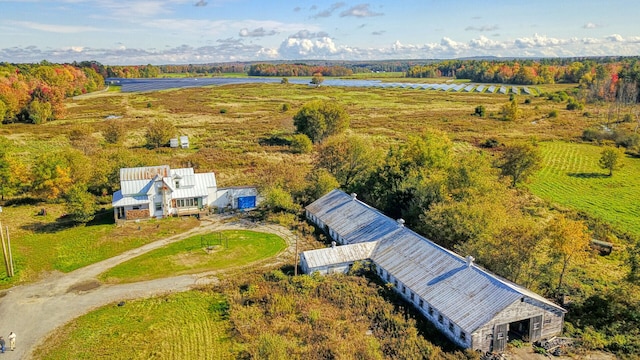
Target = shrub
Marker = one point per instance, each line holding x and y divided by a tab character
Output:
490	143
553	113
301	144
527	101
480	111
223	111
285	107
574	104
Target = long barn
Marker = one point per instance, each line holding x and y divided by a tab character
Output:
470	305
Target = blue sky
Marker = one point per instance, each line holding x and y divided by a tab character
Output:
129	32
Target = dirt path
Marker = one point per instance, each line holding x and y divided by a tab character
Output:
33	311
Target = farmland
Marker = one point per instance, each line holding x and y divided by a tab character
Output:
570	176
242	132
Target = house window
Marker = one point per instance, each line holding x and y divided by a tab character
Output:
388	277
381	273
404	289
450	326
500	335
158	206
421	302
411	296
463	336
191	202
430	311
177	183
440	319
395	283
136	207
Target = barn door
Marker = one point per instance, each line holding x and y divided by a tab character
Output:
499	337
535	328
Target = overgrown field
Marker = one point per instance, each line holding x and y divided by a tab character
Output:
570	176
271	316
226	249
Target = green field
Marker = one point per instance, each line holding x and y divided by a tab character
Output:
571	177
227	249
189	325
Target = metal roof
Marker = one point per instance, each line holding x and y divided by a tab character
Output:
191	186
143	173
354	220
120	200
465	293
339	254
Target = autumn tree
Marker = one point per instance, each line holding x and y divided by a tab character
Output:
569	242
55	173
317	79
159	132
510	111
320	182
115	132
519	161
321	119
348	158
611	159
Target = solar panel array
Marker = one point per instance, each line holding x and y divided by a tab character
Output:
145	85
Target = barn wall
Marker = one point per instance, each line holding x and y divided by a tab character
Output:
455	333
552	320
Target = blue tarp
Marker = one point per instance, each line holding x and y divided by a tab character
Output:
246	202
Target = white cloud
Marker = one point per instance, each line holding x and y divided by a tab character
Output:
615	38
328	12
259	32
482	28
591	25
61	29
361	11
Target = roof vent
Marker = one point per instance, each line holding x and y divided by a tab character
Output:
469	260
400	222
353	196
333	244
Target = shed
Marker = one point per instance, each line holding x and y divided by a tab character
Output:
173	142
471	306
184	142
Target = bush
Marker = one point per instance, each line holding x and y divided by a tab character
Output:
553	113
574	104
480	111
490	143
285	107
223	111
527	101
301	144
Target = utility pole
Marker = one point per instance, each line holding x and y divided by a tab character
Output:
9	248
4	252
295	268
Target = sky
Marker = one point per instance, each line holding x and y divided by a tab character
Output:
139	32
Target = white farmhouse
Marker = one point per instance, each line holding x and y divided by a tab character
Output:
159	191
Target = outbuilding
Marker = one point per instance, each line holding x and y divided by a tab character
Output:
473	307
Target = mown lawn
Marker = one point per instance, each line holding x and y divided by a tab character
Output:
570	176
231	248
42	244
189	325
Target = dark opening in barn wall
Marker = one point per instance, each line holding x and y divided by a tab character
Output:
527	330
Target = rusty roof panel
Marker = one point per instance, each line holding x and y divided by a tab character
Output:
143	173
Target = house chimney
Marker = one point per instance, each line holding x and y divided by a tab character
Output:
469	260
353	196
400	222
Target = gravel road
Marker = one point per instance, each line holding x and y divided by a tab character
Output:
34	310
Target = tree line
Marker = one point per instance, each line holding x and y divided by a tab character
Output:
35	93
266	69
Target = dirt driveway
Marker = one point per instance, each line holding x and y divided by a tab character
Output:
32	311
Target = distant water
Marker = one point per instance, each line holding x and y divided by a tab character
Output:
145	85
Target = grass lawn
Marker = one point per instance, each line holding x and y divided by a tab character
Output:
189	325
41	244
570	176
229	248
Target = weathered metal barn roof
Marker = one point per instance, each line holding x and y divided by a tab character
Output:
354	220
339	254
143	173
462	291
